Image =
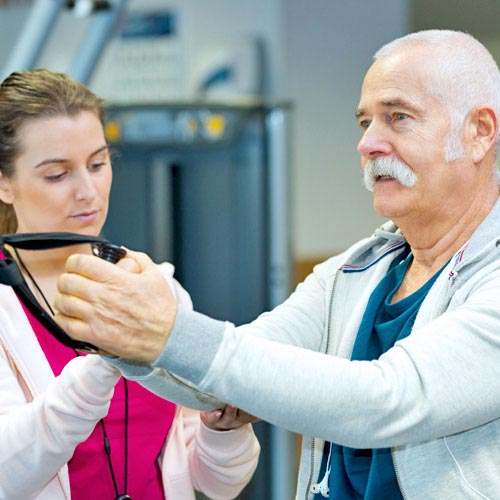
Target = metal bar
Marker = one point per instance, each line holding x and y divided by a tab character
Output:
283	443
161	227
98	34
34	35
279	205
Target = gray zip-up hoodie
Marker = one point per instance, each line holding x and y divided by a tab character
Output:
434	398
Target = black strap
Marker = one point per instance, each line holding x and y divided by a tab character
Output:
11	275
46	241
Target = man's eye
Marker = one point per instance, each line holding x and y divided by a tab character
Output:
364	124
400	116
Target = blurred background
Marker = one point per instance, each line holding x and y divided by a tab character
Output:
235	138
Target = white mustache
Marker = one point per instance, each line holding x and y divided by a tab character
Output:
385	166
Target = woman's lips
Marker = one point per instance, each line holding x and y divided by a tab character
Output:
86	216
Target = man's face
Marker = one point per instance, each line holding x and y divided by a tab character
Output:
402	123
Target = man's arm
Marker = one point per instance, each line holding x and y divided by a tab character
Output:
436	382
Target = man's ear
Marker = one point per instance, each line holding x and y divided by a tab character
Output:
6	190
481	132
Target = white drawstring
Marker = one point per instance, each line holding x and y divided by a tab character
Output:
323	486
461	472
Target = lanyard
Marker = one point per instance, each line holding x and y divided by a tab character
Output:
11	275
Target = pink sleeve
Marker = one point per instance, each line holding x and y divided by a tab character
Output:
220	464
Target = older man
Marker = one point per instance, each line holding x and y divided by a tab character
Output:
387	357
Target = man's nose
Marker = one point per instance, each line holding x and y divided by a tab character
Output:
375	141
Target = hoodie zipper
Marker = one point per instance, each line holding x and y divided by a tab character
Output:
330	308
327	349
452	276
311	472
396	473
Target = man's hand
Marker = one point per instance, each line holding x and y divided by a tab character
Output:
125	309
226	418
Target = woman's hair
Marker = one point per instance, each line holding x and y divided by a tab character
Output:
31	95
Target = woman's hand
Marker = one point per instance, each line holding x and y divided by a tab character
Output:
227	418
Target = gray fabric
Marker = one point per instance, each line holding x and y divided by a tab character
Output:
177	388
191	330
442	380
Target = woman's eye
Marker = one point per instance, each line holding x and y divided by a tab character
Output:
97	165
55	177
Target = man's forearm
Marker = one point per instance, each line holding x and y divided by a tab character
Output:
184	345
194	336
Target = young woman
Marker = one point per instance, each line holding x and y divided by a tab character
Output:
70	426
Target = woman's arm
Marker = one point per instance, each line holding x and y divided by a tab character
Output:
221	462
37	438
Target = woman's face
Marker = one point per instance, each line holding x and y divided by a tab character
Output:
62	176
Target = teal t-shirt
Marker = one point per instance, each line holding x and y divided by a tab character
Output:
368	474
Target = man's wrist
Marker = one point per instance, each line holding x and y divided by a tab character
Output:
188	353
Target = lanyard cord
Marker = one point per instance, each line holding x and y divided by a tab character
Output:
35	284
107	445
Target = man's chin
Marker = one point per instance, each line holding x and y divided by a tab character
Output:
383	210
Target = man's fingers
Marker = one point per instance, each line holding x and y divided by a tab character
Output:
79	329
84	271
129	265
72	305
97	269
89	266
74	284
142	260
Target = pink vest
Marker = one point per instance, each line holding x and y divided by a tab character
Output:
149	420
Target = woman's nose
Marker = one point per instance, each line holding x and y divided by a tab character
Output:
85	188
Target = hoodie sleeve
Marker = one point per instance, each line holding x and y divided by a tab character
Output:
37	438
220	463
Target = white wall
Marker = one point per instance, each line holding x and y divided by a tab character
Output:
317	53
201	22
329	46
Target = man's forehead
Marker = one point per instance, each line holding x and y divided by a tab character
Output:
394	82
397	101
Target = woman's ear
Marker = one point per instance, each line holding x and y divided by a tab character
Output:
483	127
6	190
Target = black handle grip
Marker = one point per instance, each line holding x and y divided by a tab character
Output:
110	252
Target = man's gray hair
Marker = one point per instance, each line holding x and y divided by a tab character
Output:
462	75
